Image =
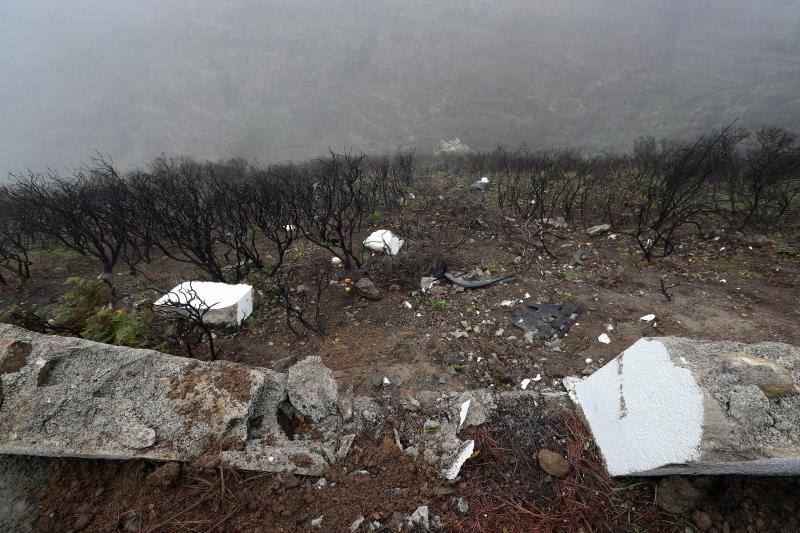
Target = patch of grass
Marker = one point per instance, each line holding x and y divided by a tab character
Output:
787	251
374	217
574	275
493	267
441	304
470	309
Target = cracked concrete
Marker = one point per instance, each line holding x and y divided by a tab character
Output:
680	406
71	397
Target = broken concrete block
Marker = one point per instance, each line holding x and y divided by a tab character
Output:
76	398
384	241
227	305
678	406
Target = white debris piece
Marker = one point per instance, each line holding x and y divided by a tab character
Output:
609	327
336	262
525	383
648	318
507	303
605	339
464	453
463	413
484	180
538	377
678	406
407	305
386	381
225	304
384	241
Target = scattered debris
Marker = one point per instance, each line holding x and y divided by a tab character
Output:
547	321
479	284
677	406
525	383
460	506
407	305
384	241
336	262
226	304
357	523
648	318
481	184
604	338
577	259
317	522
598	230
554	222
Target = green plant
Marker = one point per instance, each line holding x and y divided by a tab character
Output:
374	217
787	251
470	309
493	267
81	302
441	304
120	327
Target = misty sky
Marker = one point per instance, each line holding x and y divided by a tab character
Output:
287	79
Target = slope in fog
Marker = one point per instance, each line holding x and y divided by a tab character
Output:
284	79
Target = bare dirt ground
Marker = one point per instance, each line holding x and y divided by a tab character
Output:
721	290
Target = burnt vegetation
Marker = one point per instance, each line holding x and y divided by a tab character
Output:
229	220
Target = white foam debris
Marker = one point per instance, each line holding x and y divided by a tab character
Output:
407	305
223	303
451	472
507	303
525	383
588	360
336	262
609	327
648	318
464	412
384	241
538	377
644	410
386	381
605	339
484	180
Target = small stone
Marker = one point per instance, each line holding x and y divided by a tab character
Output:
357	523
460	506
553	463
701	520
420	518
165	475
529	337
677	495
367	289
499	332
291	481
317	522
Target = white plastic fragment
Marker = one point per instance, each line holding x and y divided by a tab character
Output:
386	381
223	303
507	303
605	339
525	383
609	327
648	318
407	305
336	262
538	377
384	241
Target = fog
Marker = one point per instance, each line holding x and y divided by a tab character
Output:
284	80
